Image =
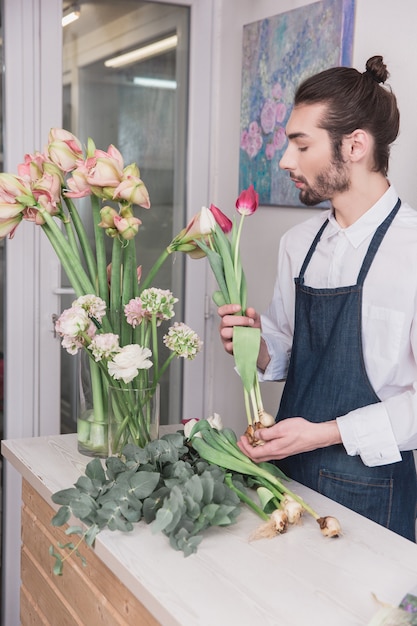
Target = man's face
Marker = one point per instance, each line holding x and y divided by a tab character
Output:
310	159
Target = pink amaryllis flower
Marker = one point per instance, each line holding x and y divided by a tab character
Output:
63	149
248	201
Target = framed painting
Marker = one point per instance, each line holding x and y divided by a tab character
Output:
278	53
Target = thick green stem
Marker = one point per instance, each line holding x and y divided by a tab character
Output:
115	285
97	391
69	260
83	239
127	289
103	287
245	498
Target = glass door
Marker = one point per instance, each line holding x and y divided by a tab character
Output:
125	82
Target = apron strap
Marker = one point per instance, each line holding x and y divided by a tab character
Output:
311	251
376	242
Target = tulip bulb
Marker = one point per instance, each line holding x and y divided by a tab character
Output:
329	526
266	419
293	509
276	525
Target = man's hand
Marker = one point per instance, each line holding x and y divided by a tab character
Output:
290	436
229	319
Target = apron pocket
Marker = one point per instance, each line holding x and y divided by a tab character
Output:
369	496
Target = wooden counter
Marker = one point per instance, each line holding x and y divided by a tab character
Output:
136	578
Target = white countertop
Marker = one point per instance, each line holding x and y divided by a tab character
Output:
299	578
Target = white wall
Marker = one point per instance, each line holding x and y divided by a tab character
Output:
381	27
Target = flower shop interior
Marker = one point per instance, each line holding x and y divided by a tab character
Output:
177	114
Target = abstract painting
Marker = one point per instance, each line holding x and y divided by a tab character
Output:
278	53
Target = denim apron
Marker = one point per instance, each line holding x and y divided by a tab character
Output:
327	378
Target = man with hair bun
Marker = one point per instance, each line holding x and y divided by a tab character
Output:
342	324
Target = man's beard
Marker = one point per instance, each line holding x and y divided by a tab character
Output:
334	179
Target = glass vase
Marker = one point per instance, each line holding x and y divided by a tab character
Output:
133	416
92	431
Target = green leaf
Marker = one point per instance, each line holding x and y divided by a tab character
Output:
83	506
95	471
144	483
163	518
218	298
194	488
265	496
246	343
61	517
65	495
114	467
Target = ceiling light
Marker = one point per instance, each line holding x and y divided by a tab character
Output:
157	83
151	50
70	15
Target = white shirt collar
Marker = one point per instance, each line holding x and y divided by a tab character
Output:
368	222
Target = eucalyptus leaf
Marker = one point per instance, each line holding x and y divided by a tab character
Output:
144	483
61	516
65	495
95	471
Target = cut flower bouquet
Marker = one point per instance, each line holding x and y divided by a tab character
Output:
117	313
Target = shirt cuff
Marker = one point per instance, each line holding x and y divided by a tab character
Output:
367	432
278	364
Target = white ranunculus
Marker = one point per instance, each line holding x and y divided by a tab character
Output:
126	364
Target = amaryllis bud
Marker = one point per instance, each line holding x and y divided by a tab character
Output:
223	221
248	201
127	227
107	214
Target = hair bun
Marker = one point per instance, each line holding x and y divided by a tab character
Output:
376	69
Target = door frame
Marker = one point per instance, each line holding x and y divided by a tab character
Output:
33	78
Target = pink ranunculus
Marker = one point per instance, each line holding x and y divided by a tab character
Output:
134	312
222	219
248	201
281	110
63	149
269	151
127	227
133	190
279	138
268	115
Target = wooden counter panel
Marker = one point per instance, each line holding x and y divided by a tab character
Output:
83	595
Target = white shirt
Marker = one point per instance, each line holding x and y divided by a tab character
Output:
377	432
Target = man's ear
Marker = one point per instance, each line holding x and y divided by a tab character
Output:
357	145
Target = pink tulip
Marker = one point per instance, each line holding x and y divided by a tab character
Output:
248	201
63	149
133	190
222	219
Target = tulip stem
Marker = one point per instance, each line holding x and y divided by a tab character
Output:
155	268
